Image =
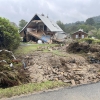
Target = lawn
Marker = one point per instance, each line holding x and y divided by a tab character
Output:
29	48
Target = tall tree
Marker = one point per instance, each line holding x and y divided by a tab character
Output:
90	21
22	23
61	25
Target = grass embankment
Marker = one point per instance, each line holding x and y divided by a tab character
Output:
30	88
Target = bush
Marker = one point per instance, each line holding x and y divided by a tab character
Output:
88	40
96	42
9	37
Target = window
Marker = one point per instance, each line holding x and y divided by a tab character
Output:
41	27
76	36
82	36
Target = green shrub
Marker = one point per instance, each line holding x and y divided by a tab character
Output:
96	42
9	37
88	40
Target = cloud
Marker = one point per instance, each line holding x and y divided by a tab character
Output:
65	10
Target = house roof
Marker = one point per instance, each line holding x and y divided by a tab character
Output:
80	30
50	24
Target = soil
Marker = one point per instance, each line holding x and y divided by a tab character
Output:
72	68
80	67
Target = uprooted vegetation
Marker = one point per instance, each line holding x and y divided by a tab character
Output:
92	51
11	70
53	63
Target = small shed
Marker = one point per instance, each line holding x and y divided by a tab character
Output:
80	34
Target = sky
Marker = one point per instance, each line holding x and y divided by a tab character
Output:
67	11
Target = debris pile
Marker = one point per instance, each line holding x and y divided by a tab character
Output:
11	70
59	47
93	51
75	47
94	58
46	66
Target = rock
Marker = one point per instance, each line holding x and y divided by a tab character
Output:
77	69
54	71
77	77
73	82
86	80
50	49
51	78
39	67
81	81
61	73
65	74
80	73
60	77
67	81
67	66
40	78
77	82
56	79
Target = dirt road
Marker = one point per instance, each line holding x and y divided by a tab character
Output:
85	92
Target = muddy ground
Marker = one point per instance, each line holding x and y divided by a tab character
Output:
64	66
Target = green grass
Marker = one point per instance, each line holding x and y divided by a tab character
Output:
30	48
22	50
30	88
56	52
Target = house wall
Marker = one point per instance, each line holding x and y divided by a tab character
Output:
41	26
22	34
29	29
79	35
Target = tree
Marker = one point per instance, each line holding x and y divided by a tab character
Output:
22	23
9	37
14	24
86	28
97	34
61	25
90	21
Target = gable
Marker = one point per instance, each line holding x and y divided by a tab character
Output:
52	26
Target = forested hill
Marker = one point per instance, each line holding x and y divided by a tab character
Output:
96	19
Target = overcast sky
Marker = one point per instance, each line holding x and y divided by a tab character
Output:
65	10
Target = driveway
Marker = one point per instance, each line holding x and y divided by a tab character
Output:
84	92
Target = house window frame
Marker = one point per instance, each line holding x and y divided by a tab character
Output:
41	26
83	36
76	36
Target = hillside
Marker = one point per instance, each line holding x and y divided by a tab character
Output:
96	19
